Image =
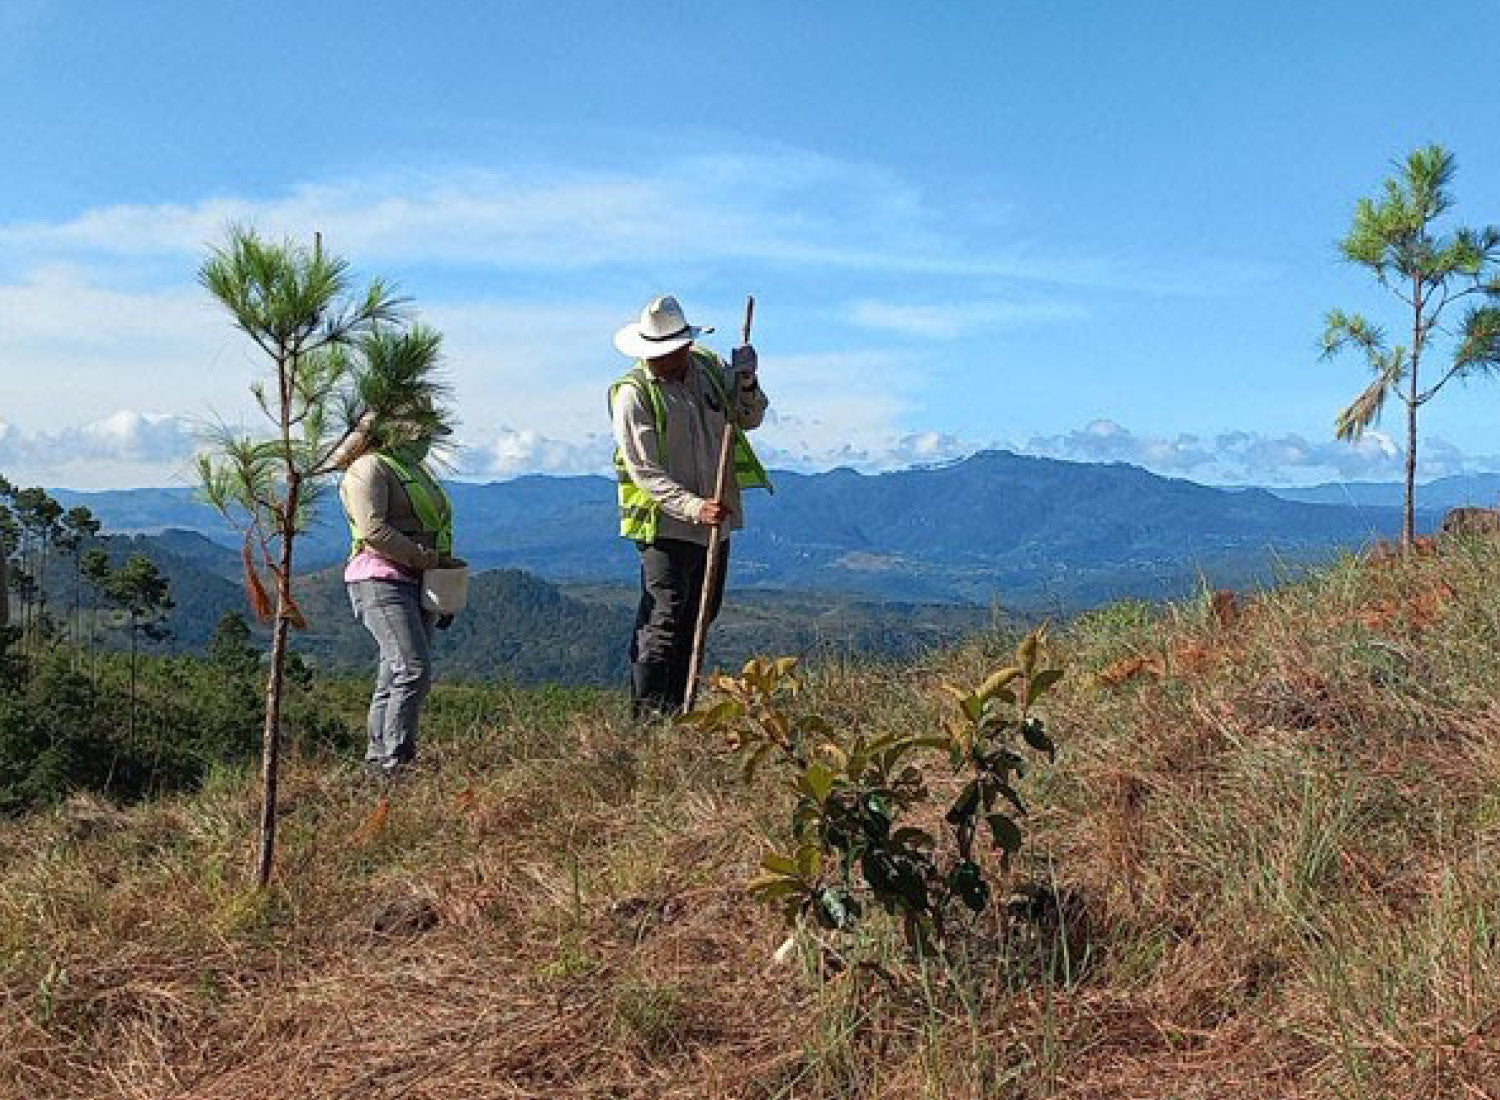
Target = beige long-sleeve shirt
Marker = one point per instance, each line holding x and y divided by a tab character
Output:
380	510
682	480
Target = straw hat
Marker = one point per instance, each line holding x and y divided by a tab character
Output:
661	330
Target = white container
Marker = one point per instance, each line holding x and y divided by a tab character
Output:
445	591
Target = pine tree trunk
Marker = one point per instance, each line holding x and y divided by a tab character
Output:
1409	514
1408	517
75	630
275	680
132	678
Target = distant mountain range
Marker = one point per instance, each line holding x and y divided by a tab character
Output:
1474	490
1027	533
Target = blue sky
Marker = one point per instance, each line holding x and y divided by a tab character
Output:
1097	230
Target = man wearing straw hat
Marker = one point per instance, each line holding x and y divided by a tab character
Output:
669	414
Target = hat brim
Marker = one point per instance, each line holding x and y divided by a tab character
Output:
629	341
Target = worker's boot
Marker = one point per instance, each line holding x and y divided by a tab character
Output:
651	691
677	686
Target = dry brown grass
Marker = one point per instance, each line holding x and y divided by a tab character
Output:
1273	870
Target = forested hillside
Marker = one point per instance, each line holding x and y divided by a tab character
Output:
518	628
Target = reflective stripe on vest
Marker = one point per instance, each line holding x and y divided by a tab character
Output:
640	515
429	502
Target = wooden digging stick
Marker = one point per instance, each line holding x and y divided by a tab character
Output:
716	533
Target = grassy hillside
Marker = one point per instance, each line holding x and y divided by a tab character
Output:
1265	864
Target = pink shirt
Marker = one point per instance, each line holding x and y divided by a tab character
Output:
370	566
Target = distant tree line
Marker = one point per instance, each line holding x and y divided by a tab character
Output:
77	716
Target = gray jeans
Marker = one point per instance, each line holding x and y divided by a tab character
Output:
392	613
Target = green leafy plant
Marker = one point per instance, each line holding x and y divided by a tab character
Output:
853	841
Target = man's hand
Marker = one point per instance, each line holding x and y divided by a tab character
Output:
745	363
713	513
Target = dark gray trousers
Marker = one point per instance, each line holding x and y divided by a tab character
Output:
661	646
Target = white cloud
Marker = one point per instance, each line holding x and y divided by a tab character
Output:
510	452
807	453
782	207
71	350
541	217
103	453
1253	458
1107	441
124	434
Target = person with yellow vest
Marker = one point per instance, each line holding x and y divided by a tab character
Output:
400	524
668	414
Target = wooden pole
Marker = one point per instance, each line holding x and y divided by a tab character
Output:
716	533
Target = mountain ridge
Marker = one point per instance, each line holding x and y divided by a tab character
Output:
1031	533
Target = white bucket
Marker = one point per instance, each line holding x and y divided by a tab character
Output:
445	590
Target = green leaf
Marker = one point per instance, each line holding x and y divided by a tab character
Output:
912	837
836	909
781	865
1041	682
876	818
1035	735
968	702
1006	833
809	860
911	884
967	881
880	873
818	782
965	805
998	680
932	741
1027	650
772	887
1013	798
754	761
814	726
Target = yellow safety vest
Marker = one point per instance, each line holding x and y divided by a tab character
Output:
640	514
429	500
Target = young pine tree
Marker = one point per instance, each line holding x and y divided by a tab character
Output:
1395	239
341	370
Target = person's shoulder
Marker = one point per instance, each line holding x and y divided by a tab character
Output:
367	467
633	376
629	388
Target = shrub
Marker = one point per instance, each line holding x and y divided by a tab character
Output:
852	843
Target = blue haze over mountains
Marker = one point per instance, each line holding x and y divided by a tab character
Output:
1030	534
